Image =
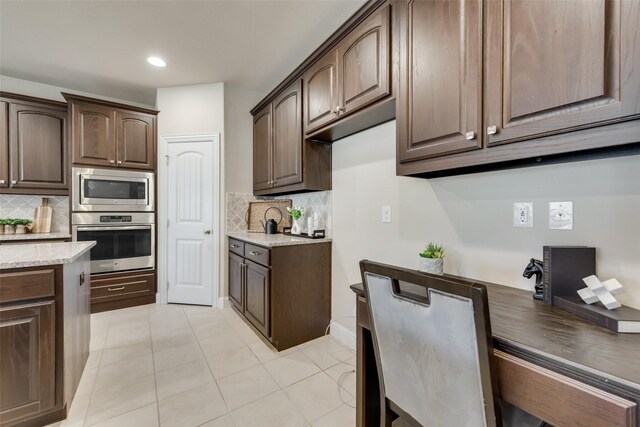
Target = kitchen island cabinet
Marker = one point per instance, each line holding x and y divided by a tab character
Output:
281	285
44	329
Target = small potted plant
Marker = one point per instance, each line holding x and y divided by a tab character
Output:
21	225
431	259
9	226
296	213
3	222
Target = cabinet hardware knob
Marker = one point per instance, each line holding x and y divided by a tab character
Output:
112	161
341	109
492	130
254	253
470	135
2	181
337	110
235	246
13	181
115	289
119	162
207	231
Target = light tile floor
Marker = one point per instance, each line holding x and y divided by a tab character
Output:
178	365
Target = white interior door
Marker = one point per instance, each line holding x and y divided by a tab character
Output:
190	213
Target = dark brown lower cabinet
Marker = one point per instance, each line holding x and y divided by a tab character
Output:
27	359
282	291
257	305
120	290
44	340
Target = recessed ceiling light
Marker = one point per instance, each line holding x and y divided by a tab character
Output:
154	60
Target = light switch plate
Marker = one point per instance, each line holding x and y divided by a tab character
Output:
523	214
561	215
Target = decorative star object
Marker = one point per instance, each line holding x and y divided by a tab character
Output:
601	291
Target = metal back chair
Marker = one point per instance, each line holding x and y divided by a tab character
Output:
433	347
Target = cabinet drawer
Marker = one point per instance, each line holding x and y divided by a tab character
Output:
257	254
236	246
538	390
26	285
118	287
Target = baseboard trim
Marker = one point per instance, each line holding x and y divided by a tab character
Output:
343	334
222	302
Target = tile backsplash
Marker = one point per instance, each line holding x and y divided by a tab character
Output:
23	206
238	203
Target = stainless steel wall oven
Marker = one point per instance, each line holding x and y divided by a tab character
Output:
125	241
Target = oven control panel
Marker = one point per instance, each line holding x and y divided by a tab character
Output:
115	218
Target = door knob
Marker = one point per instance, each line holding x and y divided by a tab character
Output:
206	232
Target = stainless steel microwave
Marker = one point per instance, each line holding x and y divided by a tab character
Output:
95	189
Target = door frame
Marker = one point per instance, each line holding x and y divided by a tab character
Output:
163	212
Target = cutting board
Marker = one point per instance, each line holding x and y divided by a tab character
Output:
258	209
42	217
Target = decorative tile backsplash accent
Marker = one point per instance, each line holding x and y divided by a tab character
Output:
23	206
238	203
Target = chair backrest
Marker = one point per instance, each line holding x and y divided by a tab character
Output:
433	346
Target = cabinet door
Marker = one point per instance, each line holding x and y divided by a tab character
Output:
236	281
38	145
262	151
439	95
364	63
135	146
556	66
27	360
321	93
4	144
258	290
93	136
287	136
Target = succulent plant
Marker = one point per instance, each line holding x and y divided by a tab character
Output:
432	250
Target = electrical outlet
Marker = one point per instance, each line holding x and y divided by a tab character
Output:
386	214
523	214
561	215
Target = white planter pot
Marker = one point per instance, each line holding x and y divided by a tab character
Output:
431	265
21	229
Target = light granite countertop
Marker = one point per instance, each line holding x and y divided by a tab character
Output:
37	254
272	240
34	236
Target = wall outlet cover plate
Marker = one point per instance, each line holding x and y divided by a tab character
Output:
561	215
523	214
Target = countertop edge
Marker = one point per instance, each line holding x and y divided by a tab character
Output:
275	240
77	250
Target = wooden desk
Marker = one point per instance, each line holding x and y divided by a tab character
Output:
550	363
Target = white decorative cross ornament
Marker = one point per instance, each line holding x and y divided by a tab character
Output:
601	291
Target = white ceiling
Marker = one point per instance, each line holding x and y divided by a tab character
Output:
101	46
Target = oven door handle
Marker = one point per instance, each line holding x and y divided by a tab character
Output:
125	227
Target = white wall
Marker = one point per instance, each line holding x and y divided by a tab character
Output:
191	110
41	90
471	216
238	125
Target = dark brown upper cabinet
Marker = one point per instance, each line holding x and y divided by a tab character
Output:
282	161
111	135
321	93
4	144
33	143
440	78
287	137
135	146
557	66
492	84
262	149
350	77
